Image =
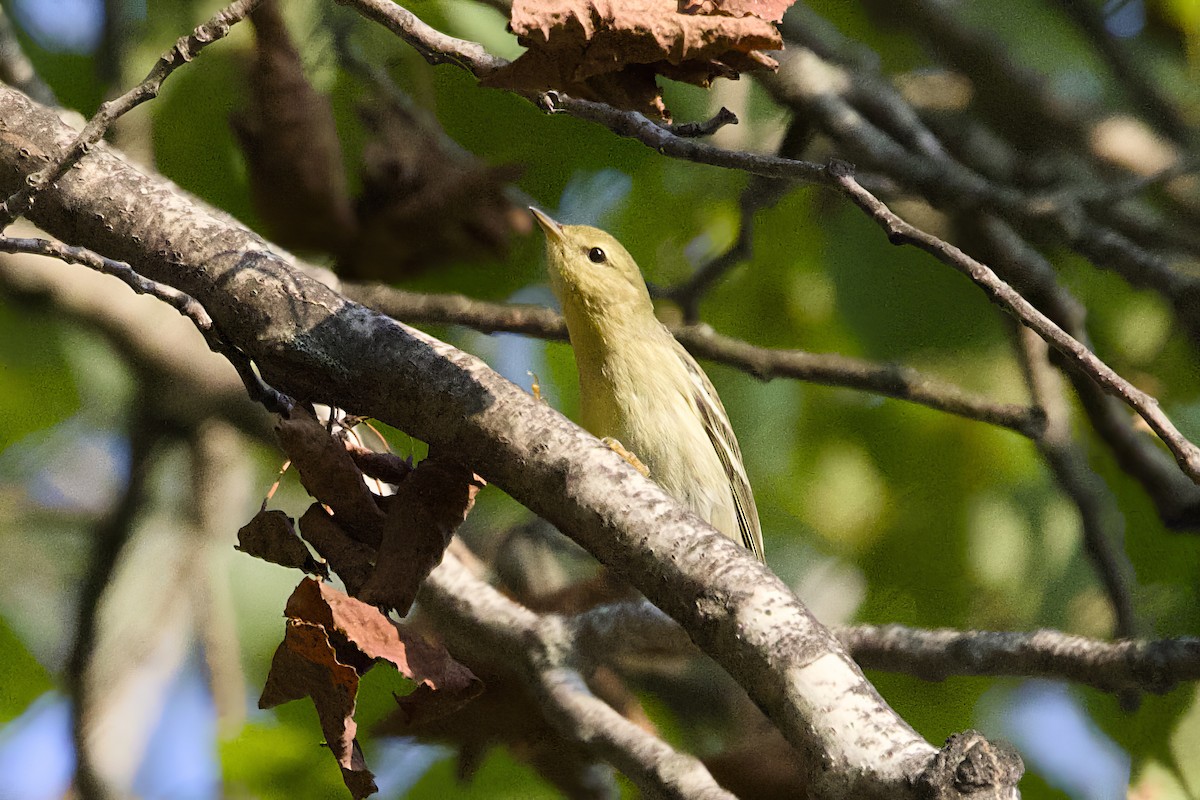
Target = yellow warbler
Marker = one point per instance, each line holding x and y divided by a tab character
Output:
638	385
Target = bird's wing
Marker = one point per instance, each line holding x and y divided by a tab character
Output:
716	425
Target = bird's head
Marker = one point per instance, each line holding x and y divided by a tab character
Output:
590	268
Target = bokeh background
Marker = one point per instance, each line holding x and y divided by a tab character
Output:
874	509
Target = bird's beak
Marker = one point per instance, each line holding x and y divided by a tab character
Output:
553	230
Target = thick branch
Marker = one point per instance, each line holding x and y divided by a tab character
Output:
315	345
469	610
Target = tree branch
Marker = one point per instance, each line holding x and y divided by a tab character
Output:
433	45
1187	455
186	48
1157	666
315	345
1175	496
259	391
1150	666
1100	517
468	610
889	380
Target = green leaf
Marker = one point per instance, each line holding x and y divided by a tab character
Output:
22	678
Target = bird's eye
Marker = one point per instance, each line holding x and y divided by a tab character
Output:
597	256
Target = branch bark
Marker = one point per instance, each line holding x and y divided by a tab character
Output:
313	344
470	610
829	369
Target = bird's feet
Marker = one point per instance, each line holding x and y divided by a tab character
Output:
620	450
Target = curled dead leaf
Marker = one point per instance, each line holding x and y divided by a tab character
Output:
306	664
387	467
331	640
601	50
330	475
271	536
349	558
422	517
362	634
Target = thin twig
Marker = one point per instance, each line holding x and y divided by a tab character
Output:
1100	517
1154	666
1175	496
633	125
889	380
690	130
1151	665
899	232
186	305
186	48
433	45
759	193
688	293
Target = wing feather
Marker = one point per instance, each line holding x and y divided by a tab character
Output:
720	434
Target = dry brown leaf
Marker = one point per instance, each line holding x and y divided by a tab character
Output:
372	635
330	475
294	157
609	51
271	536
383	548
350	559
306	664
771	10
387	467
422	517
331	640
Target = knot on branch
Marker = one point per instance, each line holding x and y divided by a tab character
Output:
837	168
971	766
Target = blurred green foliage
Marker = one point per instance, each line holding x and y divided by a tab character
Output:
945	521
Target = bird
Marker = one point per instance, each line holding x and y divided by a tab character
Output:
639	389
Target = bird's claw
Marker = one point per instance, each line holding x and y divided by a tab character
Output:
620	450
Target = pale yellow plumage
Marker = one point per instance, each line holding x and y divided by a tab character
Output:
639	386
